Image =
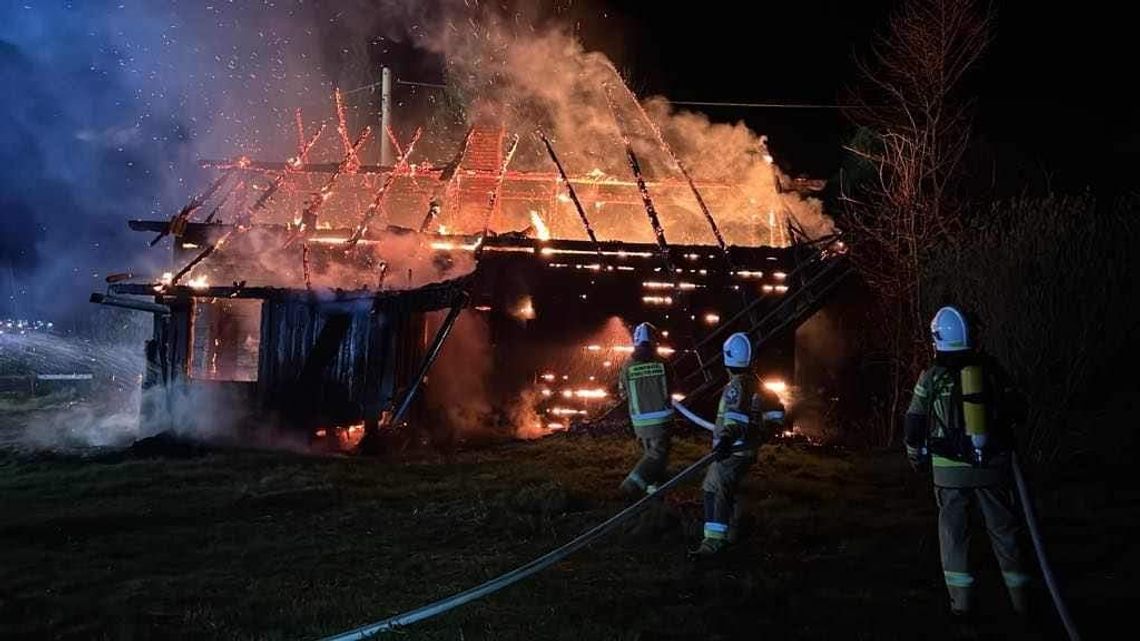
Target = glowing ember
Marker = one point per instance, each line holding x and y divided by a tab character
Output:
590	393
547	392
167	278
712	319
445	246
665	351
539	226
555	426
525	311
748	274
776	386
657	300
779	275
565	411
198	282
678	397
651	284
548	377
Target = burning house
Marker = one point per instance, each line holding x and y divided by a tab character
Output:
316	295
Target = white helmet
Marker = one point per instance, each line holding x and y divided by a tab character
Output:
644	333
950	331
738	350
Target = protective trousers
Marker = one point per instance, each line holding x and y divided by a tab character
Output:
651	468
720	485
999	512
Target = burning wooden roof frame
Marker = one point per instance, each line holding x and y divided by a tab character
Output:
173	301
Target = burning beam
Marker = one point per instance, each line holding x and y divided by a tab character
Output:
446	177
570	190
351	158
305	265
493	199
635	166
292	164
378	200
309	216
178	221
260	203
200	257
680	166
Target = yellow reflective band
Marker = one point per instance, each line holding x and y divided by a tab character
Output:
959	579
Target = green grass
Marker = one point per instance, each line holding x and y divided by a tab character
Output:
260	545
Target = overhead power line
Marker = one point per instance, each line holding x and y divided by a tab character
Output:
757	105
688	103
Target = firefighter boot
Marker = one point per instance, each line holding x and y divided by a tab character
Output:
709	548
632	486
715	531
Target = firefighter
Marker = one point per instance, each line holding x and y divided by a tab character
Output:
745	419
646	384
959	423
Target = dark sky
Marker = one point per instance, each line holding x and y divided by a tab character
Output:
107	104
1054	86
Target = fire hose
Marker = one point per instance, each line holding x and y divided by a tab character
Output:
541	563
1039	548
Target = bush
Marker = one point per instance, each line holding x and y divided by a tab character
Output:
1051	283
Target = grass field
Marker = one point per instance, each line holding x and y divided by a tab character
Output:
270	545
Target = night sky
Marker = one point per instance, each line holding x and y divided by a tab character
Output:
107	104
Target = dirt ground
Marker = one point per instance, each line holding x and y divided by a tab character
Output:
198	544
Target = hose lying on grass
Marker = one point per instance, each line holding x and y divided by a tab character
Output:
541	563
1039	548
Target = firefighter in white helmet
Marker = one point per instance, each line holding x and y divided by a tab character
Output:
646	384
745	419
960	419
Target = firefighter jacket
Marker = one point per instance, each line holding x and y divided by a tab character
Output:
645	383
746	416
962	397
